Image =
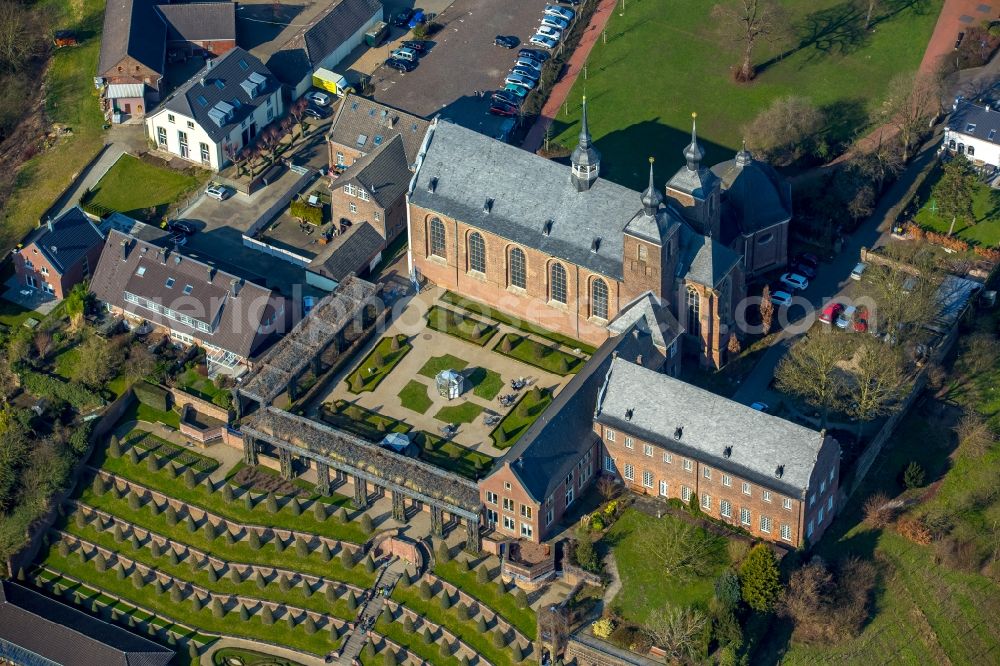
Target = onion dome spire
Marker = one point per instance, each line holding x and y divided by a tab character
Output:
651	197
694	153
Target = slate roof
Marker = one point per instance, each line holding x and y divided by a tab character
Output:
200	21
985	125
650	315
703	259
527	191
132	28
126	225
71	236
195	99
146	270
307	48
352	255
551	446
66	636
362	117
754	196
384	174
760	442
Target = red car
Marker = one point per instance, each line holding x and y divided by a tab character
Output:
831	312
860	323
498	109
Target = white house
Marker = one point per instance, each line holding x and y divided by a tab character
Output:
324	43
218	111
974	130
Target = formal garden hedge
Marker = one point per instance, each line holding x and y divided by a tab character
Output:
152	396
377	365
47	386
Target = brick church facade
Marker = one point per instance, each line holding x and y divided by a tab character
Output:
565	249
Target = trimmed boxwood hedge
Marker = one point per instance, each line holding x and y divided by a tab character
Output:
46	386
152	396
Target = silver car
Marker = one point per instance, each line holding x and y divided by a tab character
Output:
528	63
555	22
561	12
217	191
519	80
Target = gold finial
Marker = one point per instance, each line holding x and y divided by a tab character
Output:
652	159
584	98
694	114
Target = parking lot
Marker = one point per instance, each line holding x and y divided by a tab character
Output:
461	61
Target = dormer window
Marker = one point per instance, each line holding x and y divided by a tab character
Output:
970	128
547	227
488	206
170	283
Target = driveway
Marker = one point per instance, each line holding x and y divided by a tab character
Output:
833	278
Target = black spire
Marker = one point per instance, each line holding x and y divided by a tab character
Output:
693	153
651	197
585	160
743	157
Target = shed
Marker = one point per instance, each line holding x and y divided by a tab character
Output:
450	384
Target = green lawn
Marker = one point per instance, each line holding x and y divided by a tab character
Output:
138	411
249	658
70	100
644	587
485	383
436	364
452	457
13	315
985	210
143	190
162	481
540	355
467	412
378	364
459	325
660	65
505	603
414	397
524	413
414	642
199	386
166	452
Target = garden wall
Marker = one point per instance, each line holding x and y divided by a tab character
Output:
182	397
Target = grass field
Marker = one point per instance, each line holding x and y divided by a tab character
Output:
985	210
143	190
377	365
436	364
414	396
467	412
661	64
71	100
451	456
539	355
524	413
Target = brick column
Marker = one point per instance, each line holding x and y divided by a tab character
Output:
360	493
472	536
398	506
437	525
323	479
249	450
285	458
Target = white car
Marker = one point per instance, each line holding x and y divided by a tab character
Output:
859	270
218	192
794	281
561	12
556	22
319	98
760	407
543	41
519	80
529	63
781	298
550	32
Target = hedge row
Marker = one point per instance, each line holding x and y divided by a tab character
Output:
152	396
306	213
46	386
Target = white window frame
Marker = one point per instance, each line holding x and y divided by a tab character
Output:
765	524
664	488
648	449
647	478
746	518
786	532
727	480
747	490
609	434
526	530
706	472
609	465
786	502
508	504
685	494
765	495
667	457
629	472
726	509
509	523
491	497
706	501
687	465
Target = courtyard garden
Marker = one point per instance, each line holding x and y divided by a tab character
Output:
141	189
459	325
519	419
984	226
642	93
544	356
377	365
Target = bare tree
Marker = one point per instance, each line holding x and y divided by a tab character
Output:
879	162
810	371
766	310
746	24
904	291
139	364
878	378
975	437
98	361
607	487
19	34
912	101
43	343
785	131
8	380
675	629
298	111
680	550
877	510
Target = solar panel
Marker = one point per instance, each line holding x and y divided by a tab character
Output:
202	100
244	65
220	84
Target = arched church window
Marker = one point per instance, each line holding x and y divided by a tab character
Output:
599	299
518	268
477	253
557	283
437	238
693	311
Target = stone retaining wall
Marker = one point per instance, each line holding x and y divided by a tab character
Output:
488	613
182	397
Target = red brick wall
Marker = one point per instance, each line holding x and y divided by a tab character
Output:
129	70
677	477
389	223
61	283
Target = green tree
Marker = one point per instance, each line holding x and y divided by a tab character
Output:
760	582
913	475
878	378
953	192
271	503
114	447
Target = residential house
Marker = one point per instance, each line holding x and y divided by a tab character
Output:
141	37
59	254
666	438
362	125
193	302
37	630
973	130
323	43
218	112
550	466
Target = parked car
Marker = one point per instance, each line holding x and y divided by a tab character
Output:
556	22
417	18
539	56
519	91
319	98
501	109
505	97
804	269
781	298
526	73
528	63
401	65
807	258
402	18
218	192
571	3
543	41
846	317
317	112
795	281
859	270
418	45
561	12
404	53
181	227
519	80
830	312
506	41
860	322
760	407
554	34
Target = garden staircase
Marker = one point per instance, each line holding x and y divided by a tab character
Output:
370	612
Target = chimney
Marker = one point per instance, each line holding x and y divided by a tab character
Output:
48	223
211	274
234	286
124	246
728	451
638	359
628	414
678	433
202	81
432	185
164	252
53	249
